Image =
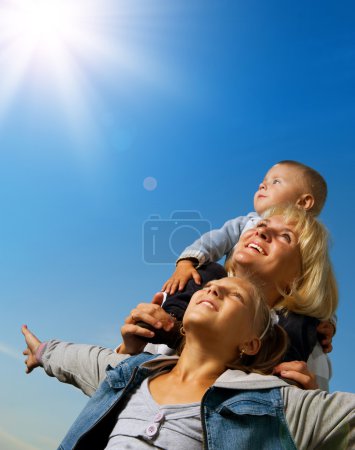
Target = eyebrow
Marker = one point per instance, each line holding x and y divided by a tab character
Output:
239	294
267	221
288	230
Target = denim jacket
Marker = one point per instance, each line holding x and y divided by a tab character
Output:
231	418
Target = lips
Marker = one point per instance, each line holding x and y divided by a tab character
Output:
209	303
255	246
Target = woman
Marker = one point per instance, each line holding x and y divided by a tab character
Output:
206	397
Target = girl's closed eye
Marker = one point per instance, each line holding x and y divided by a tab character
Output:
238	296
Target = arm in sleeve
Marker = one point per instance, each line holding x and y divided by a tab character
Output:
81	365
318	420
302	334
213	245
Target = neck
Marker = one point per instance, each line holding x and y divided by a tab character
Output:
269	290
271	295
200	363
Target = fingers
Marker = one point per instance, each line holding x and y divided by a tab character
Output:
170	286
158	298
151	314
306	381
327	346
28	367
174	285
183	272
297	371
196	277
31	340
32	345
131	329
326	328
28	360
132	342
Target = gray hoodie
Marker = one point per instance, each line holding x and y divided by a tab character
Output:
316	419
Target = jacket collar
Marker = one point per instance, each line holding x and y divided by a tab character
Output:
230	379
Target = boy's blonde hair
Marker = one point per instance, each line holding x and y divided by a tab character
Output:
314	182
315	293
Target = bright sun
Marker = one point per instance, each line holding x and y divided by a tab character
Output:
43	25
42	22
56	52
47	41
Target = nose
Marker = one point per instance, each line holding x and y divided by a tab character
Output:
262	186
264	233
214	289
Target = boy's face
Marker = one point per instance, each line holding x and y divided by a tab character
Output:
282	184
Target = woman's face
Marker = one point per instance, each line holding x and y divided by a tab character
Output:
223	308
270	252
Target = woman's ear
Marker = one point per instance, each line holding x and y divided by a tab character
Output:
305	201
251	347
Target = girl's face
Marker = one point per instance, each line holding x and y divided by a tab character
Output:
223	311
270	252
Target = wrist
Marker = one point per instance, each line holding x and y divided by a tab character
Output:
187	261
39	352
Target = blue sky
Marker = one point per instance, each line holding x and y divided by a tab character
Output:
203	97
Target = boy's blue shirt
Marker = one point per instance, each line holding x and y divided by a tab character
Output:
215	244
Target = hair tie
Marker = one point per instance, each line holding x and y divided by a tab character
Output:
273	320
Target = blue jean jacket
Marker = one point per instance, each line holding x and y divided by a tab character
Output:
231	419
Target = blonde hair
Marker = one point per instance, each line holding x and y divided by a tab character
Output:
315	292
314	182
274	340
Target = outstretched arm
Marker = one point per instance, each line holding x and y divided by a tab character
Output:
81	365
320	420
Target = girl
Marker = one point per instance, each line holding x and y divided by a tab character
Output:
217	394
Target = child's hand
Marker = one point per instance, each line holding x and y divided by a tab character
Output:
327	330
32	346
184	271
